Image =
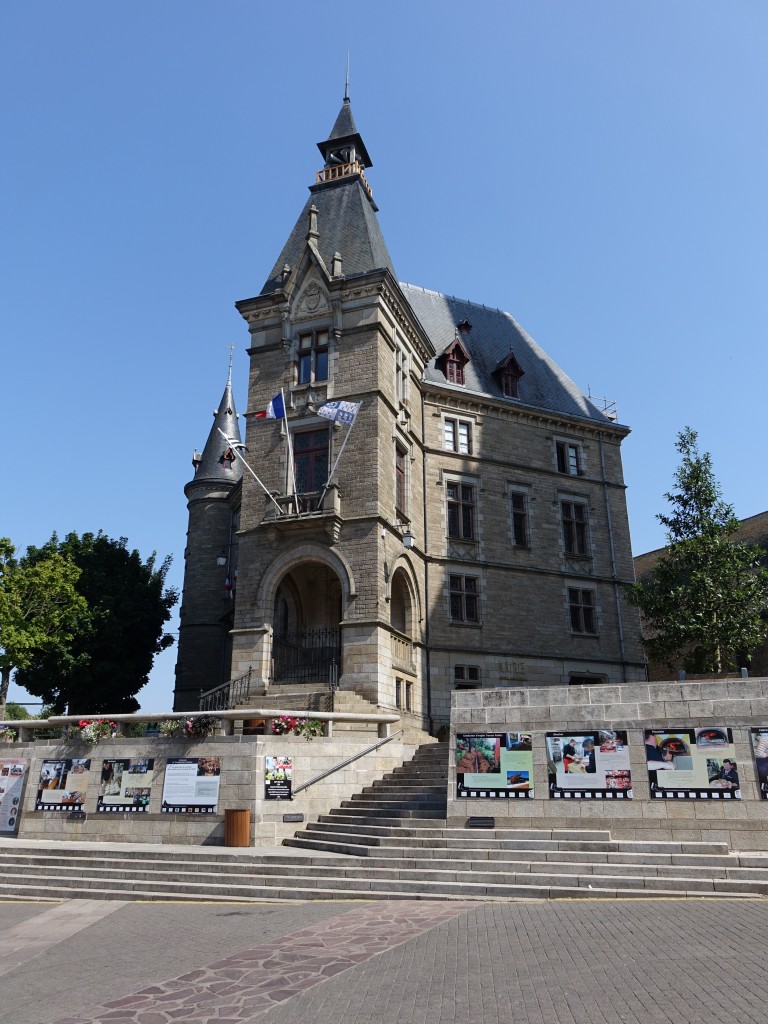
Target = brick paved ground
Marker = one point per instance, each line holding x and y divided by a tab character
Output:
580	962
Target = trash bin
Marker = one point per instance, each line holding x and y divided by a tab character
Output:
237	827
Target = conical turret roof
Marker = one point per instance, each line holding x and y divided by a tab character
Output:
218	462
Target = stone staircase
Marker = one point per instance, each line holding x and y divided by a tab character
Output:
390	842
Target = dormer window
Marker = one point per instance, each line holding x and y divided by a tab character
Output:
508	373
454	360
227	458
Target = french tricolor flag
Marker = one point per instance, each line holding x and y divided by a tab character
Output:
274	411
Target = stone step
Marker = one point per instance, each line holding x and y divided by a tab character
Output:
664	876
484	842
390	812
284	887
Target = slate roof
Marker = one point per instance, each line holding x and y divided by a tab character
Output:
225	417
494	333
344	125
347	223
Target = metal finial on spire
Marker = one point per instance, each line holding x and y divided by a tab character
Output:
229	376
346	84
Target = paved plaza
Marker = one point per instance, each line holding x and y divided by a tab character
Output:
398	962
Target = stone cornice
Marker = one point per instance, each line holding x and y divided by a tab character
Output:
471	402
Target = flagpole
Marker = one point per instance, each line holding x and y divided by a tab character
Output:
291	463
335	464
239	456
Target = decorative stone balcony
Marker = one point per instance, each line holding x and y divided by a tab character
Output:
306	513
403	653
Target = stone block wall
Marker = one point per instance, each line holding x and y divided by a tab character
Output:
738	703
242	786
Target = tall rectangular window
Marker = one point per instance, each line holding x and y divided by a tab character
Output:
521	535
464	598
457	436
581	604
568	458
461	510
400	481
310	453
575	528
401	375
312	364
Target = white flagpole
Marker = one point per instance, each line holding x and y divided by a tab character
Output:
291	463
239	456
336	462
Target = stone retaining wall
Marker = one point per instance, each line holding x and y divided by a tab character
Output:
738	703
242	786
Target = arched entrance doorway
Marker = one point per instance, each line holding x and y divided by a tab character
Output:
306	637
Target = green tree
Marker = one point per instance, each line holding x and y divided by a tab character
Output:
16	712
107	662
706	598
40	609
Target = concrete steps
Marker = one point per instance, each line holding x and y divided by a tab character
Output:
377	848
213	877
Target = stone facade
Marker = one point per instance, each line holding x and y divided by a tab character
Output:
738	704
242	786
475	530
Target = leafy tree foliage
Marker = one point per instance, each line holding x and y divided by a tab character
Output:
16	712
706	599
40	609
103	666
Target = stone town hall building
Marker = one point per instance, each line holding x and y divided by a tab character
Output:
475	531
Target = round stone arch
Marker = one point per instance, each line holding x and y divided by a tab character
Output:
270	581
404	598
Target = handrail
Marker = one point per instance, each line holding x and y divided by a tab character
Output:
349	760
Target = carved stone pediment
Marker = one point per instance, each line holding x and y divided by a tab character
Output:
313	301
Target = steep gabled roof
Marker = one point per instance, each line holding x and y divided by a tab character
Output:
494	333
346	223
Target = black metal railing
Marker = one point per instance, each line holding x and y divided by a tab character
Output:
313	656
226	696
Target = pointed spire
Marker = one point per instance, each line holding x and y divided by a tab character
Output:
217	461
339	218
344	145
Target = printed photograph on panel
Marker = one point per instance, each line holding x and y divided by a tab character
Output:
12	773
125	785
494	765
590	764
278	778
63	784
692	763
760	750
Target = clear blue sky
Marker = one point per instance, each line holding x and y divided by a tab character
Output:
596	168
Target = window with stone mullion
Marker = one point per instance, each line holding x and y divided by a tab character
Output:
464	598
312	362
582	608
575	533
461	511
